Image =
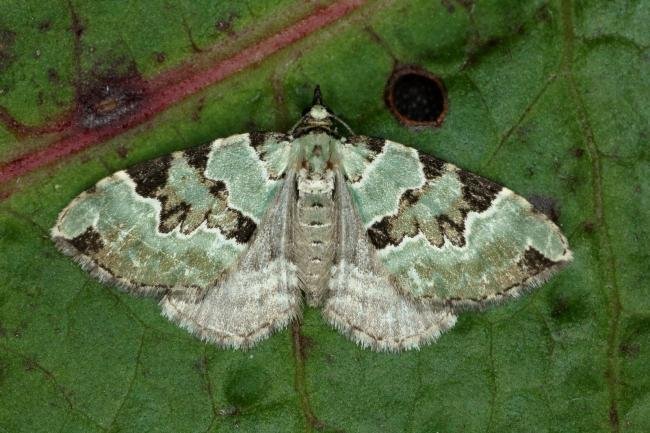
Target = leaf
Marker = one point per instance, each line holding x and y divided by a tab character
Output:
550	99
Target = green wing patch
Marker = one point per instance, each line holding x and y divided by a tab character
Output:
452	237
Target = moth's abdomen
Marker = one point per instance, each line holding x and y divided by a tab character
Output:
314	240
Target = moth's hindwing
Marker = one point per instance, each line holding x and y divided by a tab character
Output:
363	301
176	222
446	235
258	295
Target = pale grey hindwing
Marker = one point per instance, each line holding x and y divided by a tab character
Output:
259	295
363	302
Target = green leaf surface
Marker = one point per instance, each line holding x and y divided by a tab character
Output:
547	98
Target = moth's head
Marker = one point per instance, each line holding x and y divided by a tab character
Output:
317	118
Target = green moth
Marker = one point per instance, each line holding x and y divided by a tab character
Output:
233	235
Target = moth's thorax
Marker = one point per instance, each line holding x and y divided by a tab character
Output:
317	150
314	245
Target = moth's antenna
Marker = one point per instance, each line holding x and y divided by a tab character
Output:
345	125
294	127
318	100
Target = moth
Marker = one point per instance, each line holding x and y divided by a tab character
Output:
233	236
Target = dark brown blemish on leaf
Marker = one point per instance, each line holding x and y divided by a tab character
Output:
89	242
160	57
226	25
108	93
416	97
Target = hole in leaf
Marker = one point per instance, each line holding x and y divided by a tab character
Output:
416	97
